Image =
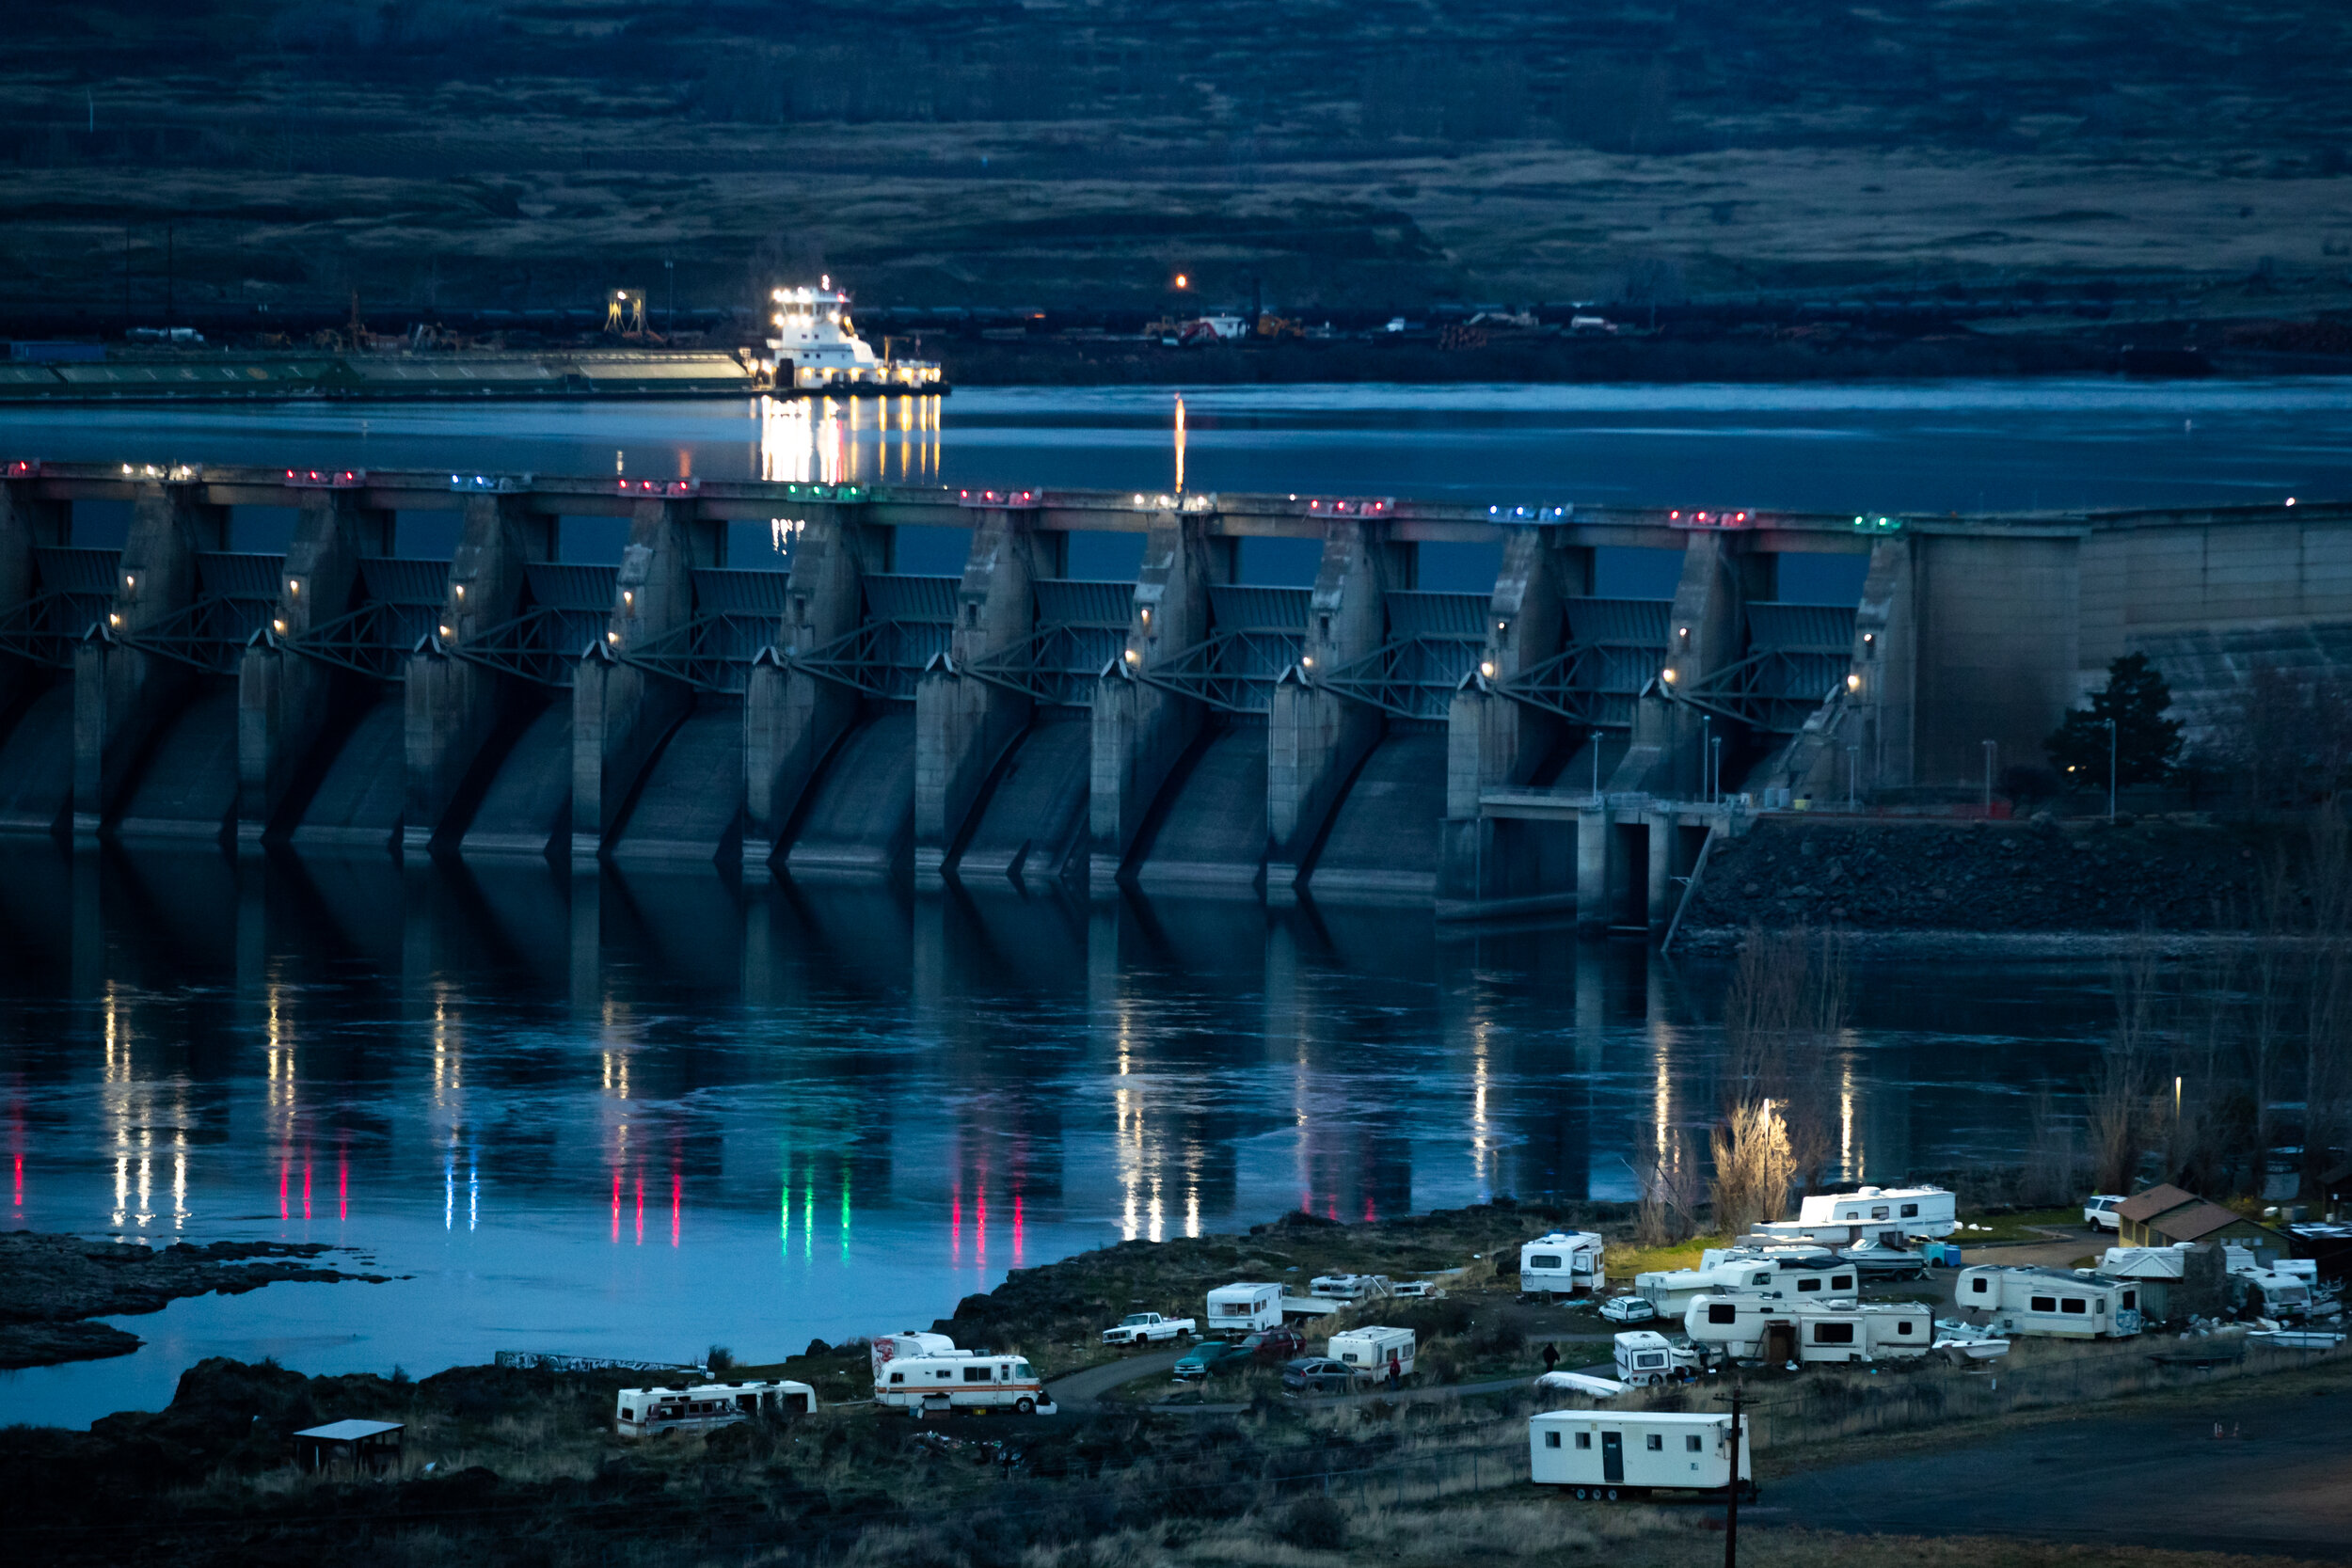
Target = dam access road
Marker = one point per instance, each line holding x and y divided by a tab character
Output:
1535	747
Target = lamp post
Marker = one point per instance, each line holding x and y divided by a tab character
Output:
1991	748
2111	770
1852	753
1707	747
669	276
1596	768
1715	770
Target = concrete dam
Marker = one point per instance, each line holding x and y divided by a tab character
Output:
1537	746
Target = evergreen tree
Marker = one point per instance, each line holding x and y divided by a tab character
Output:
2146	744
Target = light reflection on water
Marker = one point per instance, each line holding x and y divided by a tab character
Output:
641	1115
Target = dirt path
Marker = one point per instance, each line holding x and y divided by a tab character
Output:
2278	1480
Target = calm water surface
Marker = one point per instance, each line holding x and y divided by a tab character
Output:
642	1115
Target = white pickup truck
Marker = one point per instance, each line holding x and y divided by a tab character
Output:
1141	1328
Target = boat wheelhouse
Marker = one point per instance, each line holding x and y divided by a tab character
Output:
817	349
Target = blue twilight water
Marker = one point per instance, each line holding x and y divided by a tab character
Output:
642	1114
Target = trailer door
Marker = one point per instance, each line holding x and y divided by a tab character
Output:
1612	1456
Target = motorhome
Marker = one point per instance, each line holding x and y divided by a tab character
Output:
891	1347
1888	1217
1671	1290
1374	1351
1565	1263
1244	1308
1613	1456
2059	1303
1745	1327
936	1385
702	1406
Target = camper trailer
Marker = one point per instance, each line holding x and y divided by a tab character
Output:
1596	1453
1748	1327
936	1385
2059	1303
1371	1352
1345	1289
891	1347
1646	1356
1564	1263
1671	1290
703	1406
1244	1308
1886	1216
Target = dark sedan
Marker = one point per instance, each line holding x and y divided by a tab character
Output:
1317	1374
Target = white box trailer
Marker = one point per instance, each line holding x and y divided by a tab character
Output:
936	1385
1372	1352
1244	1308
1671	1290
1604	1454
1745	1327
1564	1263
705	1406
2057	1303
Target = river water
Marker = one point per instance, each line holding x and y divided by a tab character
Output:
641	1115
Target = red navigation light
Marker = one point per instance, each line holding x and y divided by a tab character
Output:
23	470
1673	516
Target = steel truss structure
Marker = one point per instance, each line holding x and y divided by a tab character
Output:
1232	671
1413	677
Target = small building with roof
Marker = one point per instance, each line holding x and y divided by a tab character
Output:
2166	1217
372	1446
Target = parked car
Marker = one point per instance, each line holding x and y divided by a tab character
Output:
1318	1374
1274	1344
1629	1309
1210	1356
2099	1212
1138	1328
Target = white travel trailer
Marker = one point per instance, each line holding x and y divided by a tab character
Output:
1888	1217
1604	1454
1372	1351
1564	1263
2059	1303
891	1347
1743	1327
703	1406
1671	1290
1349	1286
1244	1308
1647	1357
936	1385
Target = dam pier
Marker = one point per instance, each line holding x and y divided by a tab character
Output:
1538	746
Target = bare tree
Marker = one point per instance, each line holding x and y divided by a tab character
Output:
2053	1165
1753	1167
1784	1023
1671	1189
2120	1106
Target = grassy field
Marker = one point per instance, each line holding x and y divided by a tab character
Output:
427	155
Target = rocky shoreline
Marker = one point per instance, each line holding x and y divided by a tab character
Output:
52	1287
2047	884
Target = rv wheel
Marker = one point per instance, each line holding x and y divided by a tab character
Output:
1027	1407
1582	1495
1610	1494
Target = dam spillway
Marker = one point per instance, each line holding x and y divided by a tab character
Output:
1537	745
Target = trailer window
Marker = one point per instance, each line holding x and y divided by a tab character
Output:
976	1374
2131	1300
1980	1285
1879	1212
1544	1260
2074	1305
1656	1443
1552	1439
1021	1370
1833	1334
1805	1285
2042	1304
1691	1444
1721	1312
1845	1282
1903	1327
897	1377
1910	1211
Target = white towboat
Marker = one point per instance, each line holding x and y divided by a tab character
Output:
816	349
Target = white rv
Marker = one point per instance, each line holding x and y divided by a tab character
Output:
703	1406
936	1385
1603	1455
1671	1290
1743	1327
1563	1264
891	1347
1346	1288
1647	1357
1370	1352
1244	1308
2059	1303
1888	1217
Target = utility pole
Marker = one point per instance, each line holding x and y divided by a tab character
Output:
669	275
1731	1511
2110	771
